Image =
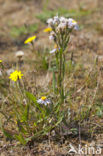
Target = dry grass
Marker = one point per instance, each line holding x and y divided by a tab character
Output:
83	78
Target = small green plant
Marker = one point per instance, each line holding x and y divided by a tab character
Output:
23	30
30	119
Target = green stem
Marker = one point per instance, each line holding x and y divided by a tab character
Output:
60	74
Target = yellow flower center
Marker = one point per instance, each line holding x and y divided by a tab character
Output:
0	61
43	98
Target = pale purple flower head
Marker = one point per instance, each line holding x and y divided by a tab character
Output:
53	51
63	20
50	21
51	37
44	102
61	26
71	23
56	20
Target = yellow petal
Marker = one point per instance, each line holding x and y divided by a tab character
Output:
48	29
30	39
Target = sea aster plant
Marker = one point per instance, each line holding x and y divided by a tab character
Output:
61	29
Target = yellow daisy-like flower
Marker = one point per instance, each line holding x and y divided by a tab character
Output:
30	39
43	98
16	75
48	29
0	61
